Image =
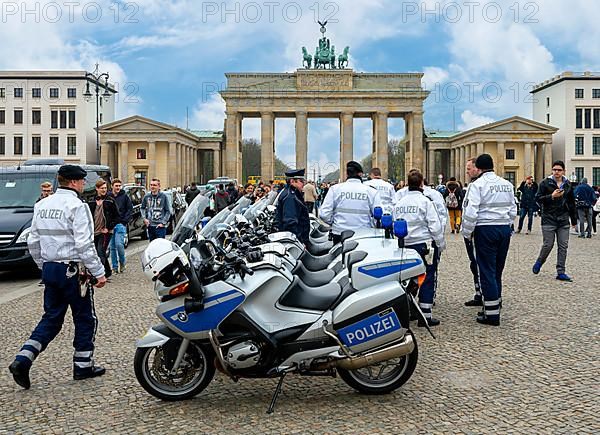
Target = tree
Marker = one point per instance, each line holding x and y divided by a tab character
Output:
251	158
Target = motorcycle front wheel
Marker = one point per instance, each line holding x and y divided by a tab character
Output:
383	377
192	376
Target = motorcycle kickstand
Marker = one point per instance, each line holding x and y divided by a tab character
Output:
276	394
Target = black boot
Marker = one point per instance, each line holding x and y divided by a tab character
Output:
20	372
474	303
487	321
89	373
431	322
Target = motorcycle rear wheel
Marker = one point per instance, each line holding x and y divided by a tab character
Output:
383	377
193	375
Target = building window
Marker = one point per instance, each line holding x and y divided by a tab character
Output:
596	176
511	176
596	118
71	119
578	93
53	92
36	145
71	145
547	101
2	145
596	145
579	174
2	117
579	145
53	145
578	118
18	145
36	92
141	154
595	93
510	154
588	118
54	119
71	92
547	118
18	116
36	116
140	178
18	92
2	92
63	119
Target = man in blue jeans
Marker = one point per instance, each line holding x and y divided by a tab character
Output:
156	211
117	242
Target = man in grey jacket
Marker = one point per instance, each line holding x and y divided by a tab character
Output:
156	211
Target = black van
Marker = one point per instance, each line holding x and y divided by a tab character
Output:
19	190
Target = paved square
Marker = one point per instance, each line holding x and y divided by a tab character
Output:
536	373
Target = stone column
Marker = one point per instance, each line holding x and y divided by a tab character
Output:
267	145
462	165
381	144
452	163
301	140
216	164
472	151
528	168
346	139
104	153
416	145
179	165
539	162
188	165
499	164
480	147
172	165
194	164
548	159
124	161
152	160
432	176
232	154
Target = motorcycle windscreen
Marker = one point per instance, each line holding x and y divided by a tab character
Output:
216	309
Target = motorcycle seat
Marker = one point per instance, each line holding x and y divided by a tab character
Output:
316	279
299	295
316	263
316	248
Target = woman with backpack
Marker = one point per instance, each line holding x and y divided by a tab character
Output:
454	198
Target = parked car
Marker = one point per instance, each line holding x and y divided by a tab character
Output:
19	190
221	180
136	227
178	206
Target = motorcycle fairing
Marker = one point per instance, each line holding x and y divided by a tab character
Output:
371	328
388	268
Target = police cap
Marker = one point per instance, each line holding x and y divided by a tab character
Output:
484	162
354	165
296	174
72	172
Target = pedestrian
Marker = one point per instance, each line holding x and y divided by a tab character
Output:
61	237
596	210
473	172
45	190
425	235
349	205
453	199
221	198
528	206
106	216
488	214
156	211
387	194
310	196
117	241
233	193
557	201
585	199
292	213
192	193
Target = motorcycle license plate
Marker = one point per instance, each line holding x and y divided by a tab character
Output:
368	329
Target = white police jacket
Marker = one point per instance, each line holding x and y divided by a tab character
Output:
387	193
436	197
424	224
490	200
62	230
349	206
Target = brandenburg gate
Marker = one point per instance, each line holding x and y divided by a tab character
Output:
334	92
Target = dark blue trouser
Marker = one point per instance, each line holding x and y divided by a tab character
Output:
474	268
526	211
491	249
156	233
427	290
60	293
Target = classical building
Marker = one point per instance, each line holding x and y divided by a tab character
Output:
43	114
138	149
571	102
519	147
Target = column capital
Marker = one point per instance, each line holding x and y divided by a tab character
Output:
266	114
348	113
301	113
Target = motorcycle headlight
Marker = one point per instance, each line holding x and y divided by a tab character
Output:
23	236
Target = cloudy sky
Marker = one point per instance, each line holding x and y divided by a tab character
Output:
480	58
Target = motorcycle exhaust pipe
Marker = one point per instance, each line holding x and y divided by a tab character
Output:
406	346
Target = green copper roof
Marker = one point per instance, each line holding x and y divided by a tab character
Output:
440	134
210	134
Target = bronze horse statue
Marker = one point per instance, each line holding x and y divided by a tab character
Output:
306	58
343	58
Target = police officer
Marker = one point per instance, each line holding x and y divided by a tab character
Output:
61	236
425	235
488	212
349	205
435	196
473	172
292	213
387	193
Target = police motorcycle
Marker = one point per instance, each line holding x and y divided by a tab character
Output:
250	318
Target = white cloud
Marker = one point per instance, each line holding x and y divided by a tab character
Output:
433	76
208	115
472	120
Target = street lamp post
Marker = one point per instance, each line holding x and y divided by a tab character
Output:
95	77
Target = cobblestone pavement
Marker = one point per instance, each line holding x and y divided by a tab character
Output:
537	373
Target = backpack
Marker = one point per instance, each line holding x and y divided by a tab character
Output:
451	200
